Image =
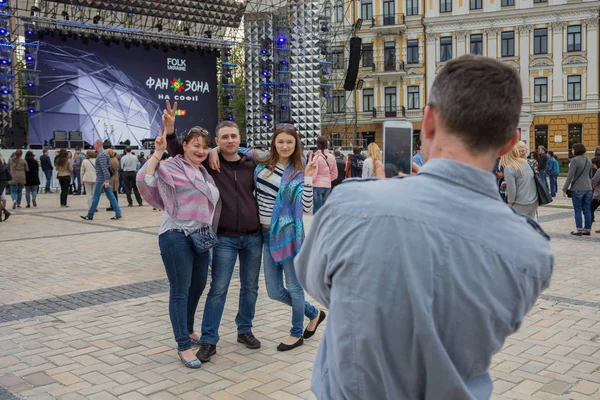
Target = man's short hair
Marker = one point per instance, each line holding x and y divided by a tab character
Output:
128	149
356	150
479	101
226	124
542	148
551	153
336	153
77	148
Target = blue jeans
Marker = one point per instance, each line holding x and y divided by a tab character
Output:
48	174
319	197
16	193
553	184
225	253
582	200
78	180
98	190
30	191
544	177
187	272
293	295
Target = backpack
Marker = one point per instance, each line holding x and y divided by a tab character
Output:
357	165
557	166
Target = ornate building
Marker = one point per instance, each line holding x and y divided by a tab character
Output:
553	45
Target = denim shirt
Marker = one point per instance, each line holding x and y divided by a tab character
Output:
424	278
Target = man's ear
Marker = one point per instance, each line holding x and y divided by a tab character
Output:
509	146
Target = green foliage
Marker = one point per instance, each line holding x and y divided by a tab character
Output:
239	98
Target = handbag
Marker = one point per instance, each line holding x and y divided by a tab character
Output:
203	239
544	196
569	192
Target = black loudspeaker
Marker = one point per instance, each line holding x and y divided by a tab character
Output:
36	146
353	63
60	139
75	136
16	137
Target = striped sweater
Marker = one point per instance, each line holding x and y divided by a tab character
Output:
267	188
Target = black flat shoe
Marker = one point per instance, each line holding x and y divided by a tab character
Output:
308	334
86	217
577	233
116	217
287	347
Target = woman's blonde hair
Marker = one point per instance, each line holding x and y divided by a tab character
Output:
374	153
513	158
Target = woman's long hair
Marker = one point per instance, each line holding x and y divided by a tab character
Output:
62	159
513	157
374	153
29	156
273	158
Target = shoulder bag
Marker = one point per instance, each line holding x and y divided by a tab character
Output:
544	196
569	192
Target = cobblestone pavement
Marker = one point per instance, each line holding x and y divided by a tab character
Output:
83	315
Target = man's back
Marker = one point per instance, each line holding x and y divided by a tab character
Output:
341	167
46	164
450	271
356	165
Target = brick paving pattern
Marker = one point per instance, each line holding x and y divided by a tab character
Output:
84	315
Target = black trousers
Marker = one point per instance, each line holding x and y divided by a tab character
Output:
593	208
65	182
129	184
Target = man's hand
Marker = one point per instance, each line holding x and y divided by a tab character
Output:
169	118
106	185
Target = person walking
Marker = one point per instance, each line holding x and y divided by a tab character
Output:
129	165
579	186
32	179
239	234
284	193
5	177
79	157
521	191
102	184
341	168
64	170
553	169
325	173
47	168
88	175
373	155
186	192
18	168
418	309
114	179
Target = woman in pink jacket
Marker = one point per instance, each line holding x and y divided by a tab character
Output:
325	173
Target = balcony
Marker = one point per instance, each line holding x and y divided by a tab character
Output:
574	105
384	113
389	68
388	23
414	114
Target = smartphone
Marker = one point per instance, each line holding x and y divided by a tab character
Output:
397	147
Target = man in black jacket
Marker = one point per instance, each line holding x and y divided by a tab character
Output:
341	167
47	168
239	234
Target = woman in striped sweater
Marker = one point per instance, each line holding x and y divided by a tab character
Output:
284	193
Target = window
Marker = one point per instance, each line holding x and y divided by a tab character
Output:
389	12
445	6
574	38
508	3
541	136
367	54
328	12
366	9
390	102
339	12
413	98
339	102
412	52
540	1
368	99
575	136
477	44
445	48
540	41
508	44
337	58
476	4
574	87
412	7
540	86
389	56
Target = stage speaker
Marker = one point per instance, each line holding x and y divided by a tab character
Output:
16	137
60	139
75	136
353	63
36	146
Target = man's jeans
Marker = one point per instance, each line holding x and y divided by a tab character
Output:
187	272
319	197
225	253
292	295
78	180
544	176
582	200
30	193
16	193
98	190
48	174
553	184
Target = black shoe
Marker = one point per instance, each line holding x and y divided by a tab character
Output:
116	217
129	205
27	206
140	204
249	340
86	217
286	347
110	209
308	334
6	214
206	351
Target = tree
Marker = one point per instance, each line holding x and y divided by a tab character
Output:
239	80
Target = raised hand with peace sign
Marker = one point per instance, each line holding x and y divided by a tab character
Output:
169	118
160	143
311	166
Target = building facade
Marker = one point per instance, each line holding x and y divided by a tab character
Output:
552	43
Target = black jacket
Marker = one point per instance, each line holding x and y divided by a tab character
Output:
33	175
46	164
239	210
341	167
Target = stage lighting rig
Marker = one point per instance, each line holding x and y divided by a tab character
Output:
97	19
30	78
34	11
159	26
33	104
65	15
29	57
